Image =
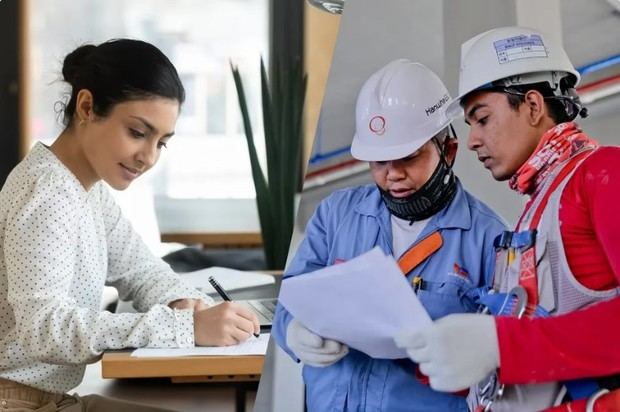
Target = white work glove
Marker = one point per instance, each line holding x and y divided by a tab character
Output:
312	349
455	352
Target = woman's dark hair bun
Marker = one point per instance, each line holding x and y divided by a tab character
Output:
117	71
75	60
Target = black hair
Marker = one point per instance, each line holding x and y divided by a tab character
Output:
557	110
119	70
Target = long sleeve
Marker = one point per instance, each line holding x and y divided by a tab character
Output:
136	273
580	344
584	343
58	243
54	285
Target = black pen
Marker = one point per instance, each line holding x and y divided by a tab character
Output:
220	291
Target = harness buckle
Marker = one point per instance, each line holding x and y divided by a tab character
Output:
524	240
519	240
520	305
516	302
503	240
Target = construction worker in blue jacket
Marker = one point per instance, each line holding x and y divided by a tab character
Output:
418	212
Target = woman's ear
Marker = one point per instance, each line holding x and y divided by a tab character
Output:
84	106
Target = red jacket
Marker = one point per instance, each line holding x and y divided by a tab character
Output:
585	343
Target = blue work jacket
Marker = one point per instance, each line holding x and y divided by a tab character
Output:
351	222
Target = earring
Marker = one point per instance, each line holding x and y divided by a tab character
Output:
82	122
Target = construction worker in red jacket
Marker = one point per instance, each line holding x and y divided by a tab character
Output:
550	338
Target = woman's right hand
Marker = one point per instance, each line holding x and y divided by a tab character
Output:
227	323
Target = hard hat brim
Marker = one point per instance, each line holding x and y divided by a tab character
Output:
454	109
361	150
364	153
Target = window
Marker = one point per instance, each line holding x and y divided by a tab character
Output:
207	158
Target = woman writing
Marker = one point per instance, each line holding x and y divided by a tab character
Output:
62	237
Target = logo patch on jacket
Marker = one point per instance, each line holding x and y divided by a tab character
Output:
461	271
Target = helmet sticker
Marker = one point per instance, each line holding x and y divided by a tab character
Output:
519	47
377	125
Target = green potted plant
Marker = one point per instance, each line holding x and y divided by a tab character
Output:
282	107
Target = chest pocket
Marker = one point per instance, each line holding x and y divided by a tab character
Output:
441	294
447	293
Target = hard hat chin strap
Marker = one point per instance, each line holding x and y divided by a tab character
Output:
433	196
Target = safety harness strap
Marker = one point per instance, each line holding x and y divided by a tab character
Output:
528	277
417	254
507	304
420	252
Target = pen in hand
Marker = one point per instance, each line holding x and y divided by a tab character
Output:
220	291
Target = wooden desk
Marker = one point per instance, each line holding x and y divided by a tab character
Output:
182	397
120	365
238	373
243	371
215	239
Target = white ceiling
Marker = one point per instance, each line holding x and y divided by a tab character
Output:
591	30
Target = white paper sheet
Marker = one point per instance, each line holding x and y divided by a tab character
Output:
363	303
230	279
252	346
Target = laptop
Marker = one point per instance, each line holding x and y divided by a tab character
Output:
264	309
232	280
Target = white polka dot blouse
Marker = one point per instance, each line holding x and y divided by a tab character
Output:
59	245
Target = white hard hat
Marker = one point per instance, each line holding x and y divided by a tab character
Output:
399	109
517	55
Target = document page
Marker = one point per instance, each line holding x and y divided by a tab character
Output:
252	346
363	303
230	279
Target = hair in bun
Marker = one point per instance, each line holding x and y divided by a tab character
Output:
119	70
75	60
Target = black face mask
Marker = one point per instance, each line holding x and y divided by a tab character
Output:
433	196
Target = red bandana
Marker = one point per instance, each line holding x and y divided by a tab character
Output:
556	145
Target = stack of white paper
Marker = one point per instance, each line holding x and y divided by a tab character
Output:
363	303
252	346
